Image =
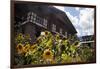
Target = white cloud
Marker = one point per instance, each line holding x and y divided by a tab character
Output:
75	22
73	19
77	8
87	21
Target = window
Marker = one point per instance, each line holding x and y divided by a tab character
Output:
45	23
29	13
60	30
28	16
34	17
53	27
31	18
37	20
66	34
69	36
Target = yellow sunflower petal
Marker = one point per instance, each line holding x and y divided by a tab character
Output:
20	48
26	48
48	55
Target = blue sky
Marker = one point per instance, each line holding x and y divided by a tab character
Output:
81	18
72	11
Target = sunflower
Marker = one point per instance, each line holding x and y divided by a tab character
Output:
42	33
30	50
33	48
27	37
46	32
49	43
26	48
20	48
48	55
57	36
19	38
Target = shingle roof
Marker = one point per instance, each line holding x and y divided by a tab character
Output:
45	10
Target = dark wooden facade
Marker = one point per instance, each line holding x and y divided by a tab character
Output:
32	19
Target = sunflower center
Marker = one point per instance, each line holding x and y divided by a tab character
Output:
46	33
20	47
48	53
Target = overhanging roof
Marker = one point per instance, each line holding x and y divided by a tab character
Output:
21	9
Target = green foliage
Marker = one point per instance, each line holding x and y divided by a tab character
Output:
50	49
88	54
19	38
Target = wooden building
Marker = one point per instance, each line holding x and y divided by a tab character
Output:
33	18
